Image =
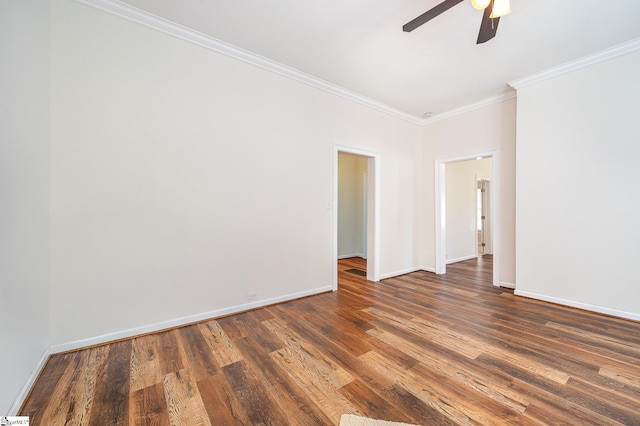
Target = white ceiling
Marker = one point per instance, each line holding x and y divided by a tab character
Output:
359	44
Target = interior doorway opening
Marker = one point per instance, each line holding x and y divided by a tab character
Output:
355	201
352	206
457	222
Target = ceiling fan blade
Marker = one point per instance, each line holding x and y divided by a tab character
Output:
488	26
429	15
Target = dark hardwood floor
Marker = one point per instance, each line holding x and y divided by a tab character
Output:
419	348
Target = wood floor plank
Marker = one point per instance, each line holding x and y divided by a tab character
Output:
472	347
445	337
299	350
576	360
44	389
169	352
550	414
495	389
198	357
344	332
60	407
148	407
549	398
422	412
321	392
350	362
237	326
616	345
111	398
184	403
609	404
82	399
442	406
316	374
145	365
367	401
628	376
419	348
219	342
292	400
221	402
258	404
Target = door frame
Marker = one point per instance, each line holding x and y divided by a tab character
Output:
365	218
440	194
487	225
373	208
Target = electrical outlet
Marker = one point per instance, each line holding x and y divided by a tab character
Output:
252	295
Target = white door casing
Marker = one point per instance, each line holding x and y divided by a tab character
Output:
373	201
440	205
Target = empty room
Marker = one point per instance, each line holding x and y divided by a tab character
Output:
339	213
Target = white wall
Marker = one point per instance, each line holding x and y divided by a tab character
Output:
183	179
24	192
578	205
489	128
461	208
351	209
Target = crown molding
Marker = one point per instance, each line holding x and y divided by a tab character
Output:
467	108
604	55
141	17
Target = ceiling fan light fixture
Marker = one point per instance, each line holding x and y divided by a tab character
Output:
500	8
480	4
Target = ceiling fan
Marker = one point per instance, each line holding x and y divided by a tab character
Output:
493	10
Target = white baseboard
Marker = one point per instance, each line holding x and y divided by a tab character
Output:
580	305
407	271
151	328
24	392
347	256
462	259
507	285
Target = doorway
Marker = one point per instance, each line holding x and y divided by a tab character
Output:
352	208
360	201
445	225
